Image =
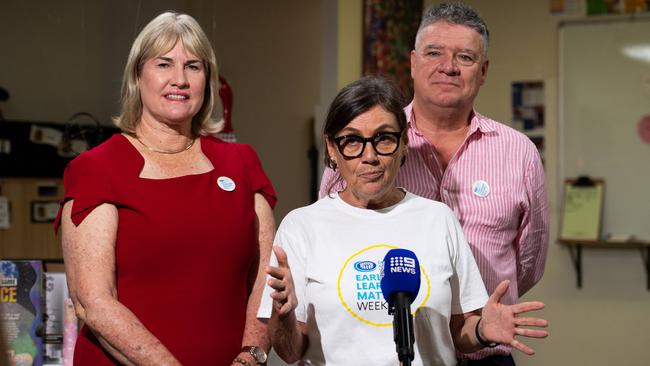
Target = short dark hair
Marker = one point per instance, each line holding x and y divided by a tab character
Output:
456	13
357	98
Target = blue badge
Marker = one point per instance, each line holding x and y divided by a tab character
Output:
226	184
481	188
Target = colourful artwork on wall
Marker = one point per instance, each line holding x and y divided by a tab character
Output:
389	29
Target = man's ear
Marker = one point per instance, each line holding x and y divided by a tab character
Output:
484	70
413	60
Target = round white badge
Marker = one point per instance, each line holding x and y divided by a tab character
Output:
481	188
226	184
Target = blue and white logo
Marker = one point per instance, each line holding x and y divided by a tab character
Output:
402	261
365	266
402	264
226	184
481	188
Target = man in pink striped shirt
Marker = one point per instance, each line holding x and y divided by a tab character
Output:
488	173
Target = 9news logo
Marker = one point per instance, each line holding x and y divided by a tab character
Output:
402	265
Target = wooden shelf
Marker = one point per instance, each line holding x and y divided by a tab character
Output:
25	238
575	250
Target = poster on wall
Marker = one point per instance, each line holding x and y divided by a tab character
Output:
528	111
389	29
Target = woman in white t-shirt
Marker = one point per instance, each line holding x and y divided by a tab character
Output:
324	303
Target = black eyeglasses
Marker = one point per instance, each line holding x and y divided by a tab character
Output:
384	143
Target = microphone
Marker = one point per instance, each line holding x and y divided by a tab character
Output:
400	283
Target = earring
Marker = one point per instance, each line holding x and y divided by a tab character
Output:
331	163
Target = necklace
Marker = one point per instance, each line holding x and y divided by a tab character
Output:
165	151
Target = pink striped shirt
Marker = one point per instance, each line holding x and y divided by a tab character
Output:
496	187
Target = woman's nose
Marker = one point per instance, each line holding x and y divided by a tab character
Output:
179	78
369	154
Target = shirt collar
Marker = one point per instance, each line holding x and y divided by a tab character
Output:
478	122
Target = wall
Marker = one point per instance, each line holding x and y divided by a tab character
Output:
601	112
269	53
60	58
350	41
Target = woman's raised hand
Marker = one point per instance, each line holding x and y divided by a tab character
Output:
500	323
284	296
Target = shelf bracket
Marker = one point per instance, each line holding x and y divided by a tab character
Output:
645	256
576	259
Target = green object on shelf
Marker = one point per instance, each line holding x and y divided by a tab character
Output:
596	7
582	211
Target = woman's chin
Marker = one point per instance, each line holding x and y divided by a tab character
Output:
372	193
176	119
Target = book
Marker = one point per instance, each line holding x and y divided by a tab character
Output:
56	292
21	318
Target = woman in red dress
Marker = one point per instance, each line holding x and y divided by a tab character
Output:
164	226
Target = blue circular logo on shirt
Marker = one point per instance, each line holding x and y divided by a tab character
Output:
226	184
481	188
365	266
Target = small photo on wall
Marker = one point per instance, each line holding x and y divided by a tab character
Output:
528	111
528	105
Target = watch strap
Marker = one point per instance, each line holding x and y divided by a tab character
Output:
480	339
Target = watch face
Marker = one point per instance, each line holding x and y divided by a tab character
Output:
259	354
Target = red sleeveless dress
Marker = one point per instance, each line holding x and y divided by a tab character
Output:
184	248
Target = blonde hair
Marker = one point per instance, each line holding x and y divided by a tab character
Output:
157	38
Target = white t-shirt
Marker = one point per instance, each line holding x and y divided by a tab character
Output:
335	251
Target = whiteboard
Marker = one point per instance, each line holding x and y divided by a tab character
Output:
603	95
